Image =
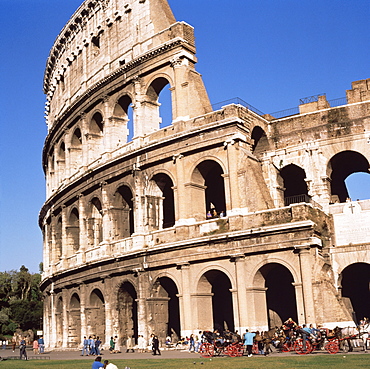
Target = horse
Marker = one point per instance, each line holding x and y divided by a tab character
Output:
364	334
346	335
267	338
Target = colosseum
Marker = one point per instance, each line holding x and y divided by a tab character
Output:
225	218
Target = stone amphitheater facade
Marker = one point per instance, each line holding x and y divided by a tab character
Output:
223	219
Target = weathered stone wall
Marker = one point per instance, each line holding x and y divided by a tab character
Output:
186	227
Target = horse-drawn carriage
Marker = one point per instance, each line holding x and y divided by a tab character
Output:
217	345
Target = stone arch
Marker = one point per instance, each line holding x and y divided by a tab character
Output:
151	107
58	238
274	295
214	301
127	311
61	161
207	189
73	231
354	282
95	136
160	202
295	186
95	222
340	166
59	321
123	118
164	309
123	212
95	314
74	321
260	142
75	150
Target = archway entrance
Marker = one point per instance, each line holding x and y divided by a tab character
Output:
295	185
356	289
127	312
215	306
341	166
279	301
95	316
207	190
163	304
74	321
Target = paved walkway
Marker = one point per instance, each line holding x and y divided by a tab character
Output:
165	354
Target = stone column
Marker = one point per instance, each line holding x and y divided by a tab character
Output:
231	177
108	304
107	225
65	319
186	311
305	262
51	339
81	257
241	307
300	303
141	305
180	99
83	301
65	244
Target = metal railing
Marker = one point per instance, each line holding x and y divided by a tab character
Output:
300	198
282	113
237	101
310	99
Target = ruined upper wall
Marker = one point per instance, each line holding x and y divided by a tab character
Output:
101	37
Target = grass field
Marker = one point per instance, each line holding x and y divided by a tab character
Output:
312	361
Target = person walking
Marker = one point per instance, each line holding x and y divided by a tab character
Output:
155	346
22	350
41	345
248	341
85	347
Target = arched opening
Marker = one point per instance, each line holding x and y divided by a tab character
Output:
278	303
51	171
74	321
95	223
95	137
165	211
127	312
59	322
341	166
164	308
61	162
73	231
295	185
260	142
58	239
95	315
123	117
356	290
75	152
215	306
123	213
208	190
158	107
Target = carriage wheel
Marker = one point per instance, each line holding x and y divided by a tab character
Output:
332	347
234	350
298	347
206	349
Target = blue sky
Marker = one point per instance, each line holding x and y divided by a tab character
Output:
270	53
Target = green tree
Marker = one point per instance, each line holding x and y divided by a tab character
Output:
20	301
